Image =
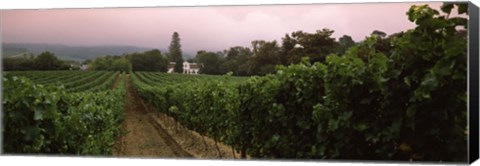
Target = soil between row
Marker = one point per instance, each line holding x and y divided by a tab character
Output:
147	133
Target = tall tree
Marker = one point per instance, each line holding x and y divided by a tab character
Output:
175	53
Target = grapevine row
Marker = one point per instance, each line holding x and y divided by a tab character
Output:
361	105
47	119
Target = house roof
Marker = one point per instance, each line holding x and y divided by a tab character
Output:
192	65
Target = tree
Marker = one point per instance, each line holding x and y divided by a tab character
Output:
236	57
287	45
100	63
122	65
175	53
210	61
383	43
379	33
66	65
345	42
46	61
152	60
316	46
265	57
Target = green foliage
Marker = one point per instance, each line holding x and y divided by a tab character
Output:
265	57
101	63
236	61
72	81
383	42
316	46
379	33
46	61
175	53
345	43
402	97
44	119
110	63
122	65
152	60
405	102
210	62
428	79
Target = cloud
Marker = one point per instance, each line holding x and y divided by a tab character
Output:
207	28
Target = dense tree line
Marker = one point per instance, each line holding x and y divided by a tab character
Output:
44	61
263	56
110	63
260	58
151	60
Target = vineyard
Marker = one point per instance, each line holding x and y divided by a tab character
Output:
407	105
62	112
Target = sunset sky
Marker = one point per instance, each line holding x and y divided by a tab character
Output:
200	28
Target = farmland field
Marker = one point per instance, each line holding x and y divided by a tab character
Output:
62	112
294	113
401	97
89	113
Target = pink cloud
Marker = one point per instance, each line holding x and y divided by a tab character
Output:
210	28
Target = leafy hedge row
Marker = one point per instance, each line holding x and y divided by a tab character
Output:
42	119
99	84
93	82
409	105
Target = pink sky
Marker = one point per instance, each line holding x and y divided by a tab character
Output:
208	28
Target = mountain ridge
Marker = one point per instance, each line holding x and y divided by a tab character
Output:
68	52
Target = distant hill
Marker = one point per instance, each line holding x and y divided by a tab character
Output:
64	52
13	51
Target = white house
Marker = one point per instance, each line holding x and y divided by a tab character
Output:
188	68
171	65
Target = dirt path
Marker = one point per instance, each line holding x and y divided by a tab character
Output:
194	143
145	137
117	81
